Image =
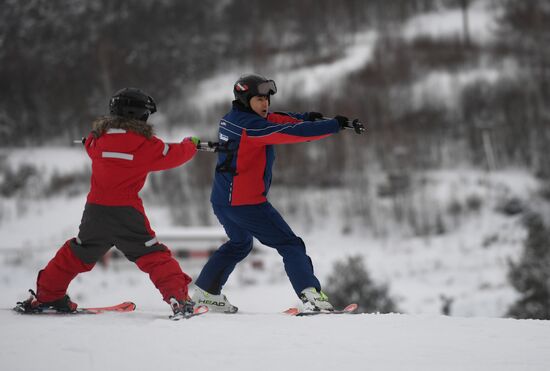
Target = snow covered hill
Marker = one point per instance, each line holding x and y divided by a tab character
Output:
466	261
259	337
467	264
265	340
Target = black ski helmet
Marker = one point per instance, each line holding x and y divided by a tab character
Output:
251	85
132	103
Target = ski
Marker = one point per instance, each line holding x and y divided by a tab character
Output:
298	313
126	306
196	312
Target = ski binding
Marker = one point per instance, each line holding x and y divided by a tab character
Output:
196	312
126	306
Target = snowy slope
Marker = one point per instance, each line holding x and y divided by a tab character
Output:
449	23
311	80
468	263
307	81
264	340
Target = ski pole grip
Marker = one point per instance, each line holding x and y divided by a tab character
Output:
207	146
358	126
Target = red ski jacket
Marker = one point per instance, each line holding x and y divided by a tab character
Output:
121	160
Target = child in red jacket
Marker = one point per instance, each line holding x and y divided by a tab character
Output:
123	150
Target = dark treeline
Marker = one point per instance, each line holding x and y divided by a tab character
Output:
493	124
61	59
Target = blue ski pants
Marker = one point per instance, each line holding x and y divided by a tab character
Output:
262	221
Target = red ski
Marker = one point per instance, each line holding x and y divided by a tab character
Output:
126	306
298	313
196	312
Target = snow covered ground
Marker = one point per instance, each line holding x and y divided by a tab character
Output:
468	264
258	338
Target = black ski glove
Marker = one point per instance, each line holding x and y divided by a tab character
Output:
312	116
346	124
343	121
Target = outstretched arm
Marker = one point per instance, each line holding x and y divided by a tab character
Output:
264	132
162	156
88	142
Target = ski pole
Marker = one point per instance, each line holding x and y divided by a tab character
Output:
215	147
202	146
208	146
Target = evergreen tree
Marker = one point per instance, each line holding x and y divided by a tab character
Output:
351	283
523	33
531	275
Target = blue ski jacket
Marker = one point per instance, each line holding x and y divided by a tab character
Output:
244	168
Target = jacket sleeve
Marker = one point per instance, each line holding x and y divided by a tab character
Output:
263	132
280	116
162	156
89	143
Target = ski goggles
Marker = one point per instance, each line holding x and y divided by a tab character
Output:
267	88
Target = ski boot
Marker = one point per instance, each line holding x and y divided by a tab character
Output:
181	309
33	305
215	303
315	301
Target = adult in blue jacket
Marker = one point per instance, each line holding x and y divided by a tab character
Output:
248	134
